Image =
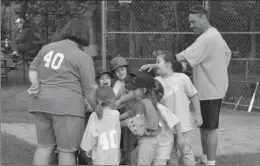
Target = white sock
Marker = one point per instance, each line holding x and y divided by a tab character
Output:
204	158
211	162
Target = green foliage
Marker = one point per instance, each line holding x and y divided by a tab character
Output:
47	17
4	30
160	16
147	16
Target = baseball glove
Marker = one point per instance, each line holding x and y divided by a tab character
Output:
136	125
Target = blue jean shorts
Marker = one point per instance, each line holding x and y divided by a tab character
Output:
65	131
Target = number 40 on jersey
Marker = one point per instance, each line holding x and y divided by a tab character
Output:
53	60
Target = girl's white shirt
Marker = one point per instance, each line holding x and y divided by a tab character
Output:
119	88
178	88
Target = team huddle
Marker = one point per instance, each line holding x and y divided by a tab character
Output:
150	107
158	104
138	117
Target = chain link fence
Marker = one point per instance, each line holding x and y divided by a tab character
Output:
136	30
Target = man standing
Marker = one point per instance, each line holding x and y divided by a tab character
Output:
209	56
62	76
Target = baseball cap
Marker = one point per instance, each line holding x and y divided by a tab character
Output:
101	72
135	72
140	79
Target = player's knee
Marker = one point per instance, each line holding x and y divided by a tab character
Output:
210	132
45	149
207	130
160	162
67	149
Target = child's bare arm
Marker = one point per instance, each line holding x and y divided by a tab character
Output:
120	102
180	139
130	95
196	105
177	128
125	115
123	124
152	133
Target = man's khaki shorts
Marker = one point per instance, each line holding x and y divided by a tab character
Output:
65	131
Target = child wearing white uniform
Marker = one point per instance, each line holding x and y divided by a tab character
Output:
101	140
178	91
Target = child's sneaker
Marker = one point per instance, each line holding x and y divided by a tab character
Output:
124	161
202	160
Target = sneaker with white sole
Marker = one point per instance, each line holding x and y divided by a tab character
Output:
202	160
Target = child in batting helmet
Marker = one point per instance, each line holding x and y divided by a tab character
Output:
120	71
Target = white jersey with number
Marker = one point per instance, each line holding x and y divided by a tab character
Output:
102	138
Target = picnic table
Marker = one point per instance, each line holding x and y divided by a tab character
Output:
23	60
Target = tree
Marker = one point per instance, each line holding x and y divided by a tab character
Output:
254	26
50	16
238	16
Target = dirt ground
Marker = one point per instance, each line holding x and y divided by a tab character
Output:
239	131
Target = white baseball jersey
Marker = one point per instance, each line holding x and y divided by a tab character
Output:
178	88
102	138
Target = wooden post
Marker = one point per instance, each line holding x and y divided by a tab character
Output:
206	4
103	25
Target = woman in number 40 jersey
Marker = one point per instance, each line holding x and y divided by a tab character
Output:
103	132
61	77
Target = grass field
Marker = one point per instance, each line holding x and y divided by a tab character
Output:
18	152
239	132
14	103
15	151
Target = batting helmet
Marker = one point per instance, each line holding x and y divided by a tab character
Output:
117	62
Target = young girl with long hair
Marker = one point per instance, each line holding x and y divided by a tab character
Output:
178	92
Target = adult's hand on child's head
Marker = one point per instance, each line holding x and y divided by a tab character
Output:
147	66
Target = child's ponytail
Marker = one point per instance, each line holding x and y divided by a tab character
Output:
99	110
104	97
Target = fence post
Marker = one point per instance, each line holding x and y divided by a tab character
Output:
103	25
207	6
246	70
10	22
